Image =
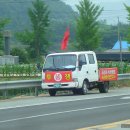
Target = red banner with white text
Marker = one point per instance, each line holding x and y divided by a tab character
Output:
108	74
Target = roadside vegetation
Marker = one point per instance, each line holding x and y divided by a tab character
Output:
31	71
120	84
23	71
87	32
124	69
43	36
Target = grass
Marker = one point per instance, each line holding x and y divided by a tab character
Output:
120	83
29	70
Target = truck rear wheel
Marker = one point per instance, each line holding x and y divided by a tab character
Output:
52	92
84	89
104	87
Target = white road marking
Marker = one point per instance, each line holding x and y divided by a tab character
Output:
60	101
125	98
62	112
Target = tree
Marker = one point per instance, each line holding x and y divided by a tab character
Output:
3	23
87	33
27	38
40	21
22	53
128	10
36	38
109	34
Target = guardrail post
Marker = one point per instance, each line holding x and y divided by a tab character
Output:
5	93
36	91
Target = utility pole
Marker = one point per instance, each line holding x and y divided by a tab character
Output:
119	40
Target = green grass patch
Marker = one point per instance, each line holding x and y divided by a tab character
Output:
120	84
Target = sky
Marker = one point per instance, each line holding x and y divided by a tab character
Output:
112	9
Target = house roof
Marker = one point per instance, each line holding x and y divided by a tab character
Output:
125	45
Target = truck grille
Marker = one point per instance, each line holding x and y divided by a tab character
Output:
61	85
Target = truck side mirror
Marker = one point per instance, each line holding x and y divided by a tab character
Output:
80	65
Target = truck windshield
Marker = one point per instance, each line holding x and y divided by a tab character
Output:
60	62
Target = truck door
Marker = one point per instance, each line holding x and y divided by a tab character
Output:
93	67
82	68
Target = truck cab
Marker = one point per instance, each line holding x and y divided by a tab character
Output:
75	71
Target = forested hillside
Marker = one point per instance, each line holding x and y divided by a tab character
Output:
61	16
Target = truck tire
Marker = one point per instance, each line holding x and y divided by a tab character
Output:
104	87
84	89
52	92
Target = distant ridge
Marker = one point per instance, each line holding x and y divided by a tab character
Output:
61	15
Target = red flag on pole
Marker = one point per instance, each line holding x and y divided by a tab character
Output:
65	39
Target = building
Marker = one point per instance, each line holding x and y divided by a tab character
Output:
114	53
116	48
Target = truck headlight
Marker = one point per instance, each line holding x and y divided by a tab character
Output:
75	79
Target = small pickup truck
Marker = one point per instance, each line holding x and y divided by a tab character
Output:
76	71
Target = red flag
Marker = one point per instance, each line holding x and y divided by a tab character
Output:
65	39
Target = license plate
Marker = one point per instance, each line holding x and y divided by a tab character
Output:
58	85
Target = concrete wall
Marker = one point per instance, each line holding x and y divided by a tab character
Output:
9	59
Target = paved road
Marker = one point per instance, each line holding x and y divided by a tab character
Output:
66	112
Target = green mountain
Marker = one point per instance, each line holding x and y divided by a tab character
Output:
61	16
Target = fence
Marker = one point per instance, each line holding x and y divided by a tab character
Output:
20	84
5	86
123	76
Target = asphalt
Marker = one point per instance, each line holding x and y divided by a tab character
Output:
67	112
121	125
45	99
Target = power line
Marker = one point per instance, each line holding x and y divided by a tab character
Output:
16	1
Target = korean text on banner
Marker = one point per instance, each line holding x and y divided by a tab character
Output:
108	74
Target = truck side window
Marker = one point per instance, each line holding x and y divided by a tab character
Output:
91	59
82	59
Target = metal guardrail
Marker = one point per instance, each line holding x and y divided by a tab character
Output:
37	83
6	85
19	84
123	76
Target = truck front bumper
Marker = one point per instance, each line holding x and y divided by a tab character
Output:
67	85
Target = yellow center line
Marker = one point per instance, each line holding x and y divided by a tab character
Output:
109	126
106	126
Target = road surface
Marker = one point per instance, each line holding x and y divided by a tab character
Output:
65	112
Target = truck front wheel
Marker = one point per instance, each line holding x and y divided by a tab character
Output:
84	89
104	87
52	92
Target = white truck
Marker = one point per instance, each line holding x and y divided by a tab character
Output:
76	71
